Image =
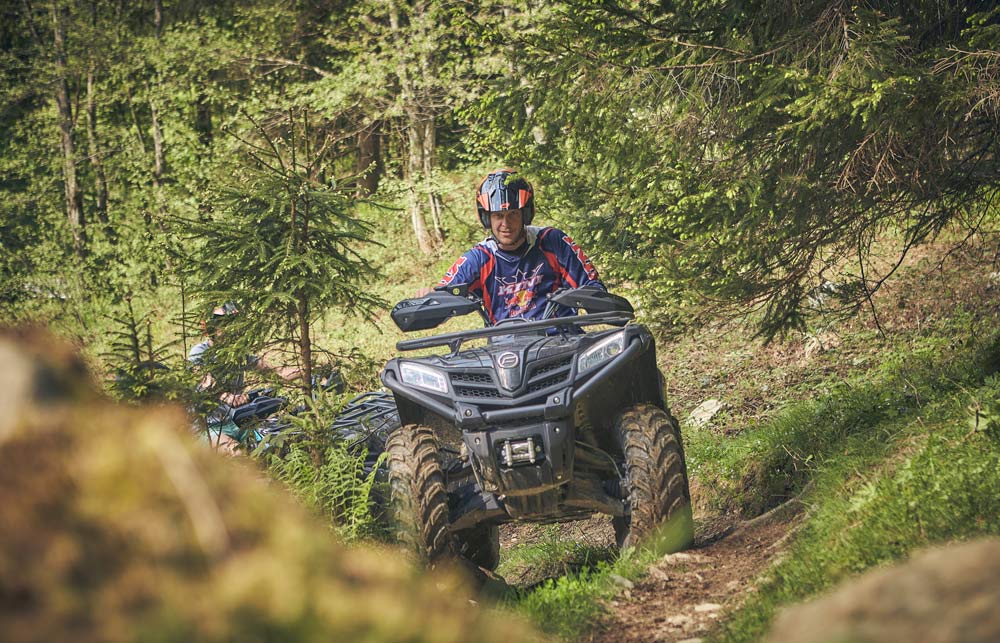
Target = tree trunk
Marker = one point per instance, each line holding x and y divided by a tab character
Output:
369	160
71	188
434	199
301	241
203	120
414	168
159	165
135	118
414	151
158	17
305	344
94	146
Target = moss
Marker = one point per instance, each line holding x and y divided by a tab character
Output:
116	525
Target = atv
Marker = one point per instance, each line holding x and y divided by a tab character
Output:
547	421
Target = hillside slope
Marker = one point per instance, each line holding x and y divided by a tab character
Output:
872	433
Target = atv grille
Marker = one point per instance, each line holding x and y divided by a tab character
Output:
482	393
542	384
483	386
551	374
471	378
551	366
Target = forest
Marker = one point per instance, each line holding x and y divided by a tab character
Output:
754	175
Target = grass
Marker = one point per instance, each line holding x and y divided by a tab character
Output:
760	468
942	484
550	555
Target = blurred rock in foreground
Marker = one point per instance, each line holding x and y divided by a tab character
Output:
947	594
116	525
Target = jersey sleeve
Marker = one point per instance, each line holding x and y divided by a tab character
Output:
468	269
576	268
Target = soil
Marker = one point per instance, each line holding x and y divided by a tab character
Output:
684	595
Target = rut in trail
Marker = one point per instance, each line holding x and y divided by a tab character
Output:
685	594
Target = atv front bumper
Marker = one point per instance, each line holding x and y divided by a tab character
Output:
558	405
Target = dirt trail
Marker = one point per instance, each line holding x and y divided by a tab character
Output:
685	595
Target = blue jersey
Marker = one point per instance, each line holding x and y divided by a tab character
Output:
515	284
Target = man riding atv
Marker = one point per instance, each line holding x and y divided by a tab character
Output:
546	422
519	265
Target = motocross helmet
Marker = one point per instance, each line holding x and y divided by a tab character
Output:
499	190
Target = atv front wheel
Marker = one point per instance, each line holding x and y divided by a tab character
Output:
656	476
418	500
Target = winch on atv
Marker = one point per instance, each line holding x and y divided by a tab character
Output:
548	421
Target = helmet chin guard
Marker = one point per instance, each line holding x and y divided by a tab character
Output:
500	191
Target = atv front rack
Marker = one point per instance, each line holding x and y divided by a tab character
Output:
455	340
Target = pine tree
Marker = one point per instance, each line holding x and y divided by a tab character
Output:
282	243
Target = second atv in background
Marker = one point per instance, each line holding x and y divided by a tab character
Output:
543	423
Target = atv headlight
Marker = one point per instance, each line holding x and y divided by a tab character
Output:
601	352
423	377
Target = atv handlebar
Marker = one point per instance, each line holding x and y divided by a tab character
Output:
455	339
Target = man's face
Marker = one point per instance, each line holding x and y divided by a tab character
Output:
508	228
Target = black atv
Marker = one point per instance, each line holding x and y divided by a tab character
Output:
543	423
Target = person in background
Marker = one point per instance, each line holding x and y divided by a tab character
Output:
518	265
228	380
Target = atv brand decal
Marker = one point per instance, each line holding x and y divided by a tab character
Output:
519	291
508	372
587	266
508	360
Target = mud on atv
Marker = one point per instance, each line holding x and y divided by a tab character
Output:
544	423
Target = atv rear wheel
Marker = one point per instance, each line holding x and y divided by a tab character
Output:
656	476
418	500
481	545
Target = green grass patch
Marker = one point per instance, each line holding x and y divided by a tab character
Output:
571	604
867	414
944	485
549	556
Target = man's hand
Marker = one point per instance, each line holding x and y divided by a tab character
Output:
423	292
227	445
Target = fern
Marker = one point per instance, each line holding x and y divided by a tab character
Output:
329	476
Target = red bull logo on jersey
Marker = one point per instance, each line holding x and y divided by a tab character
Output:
519	291
587	266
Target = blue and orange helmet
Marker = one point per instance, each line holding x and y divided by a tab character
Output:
499	191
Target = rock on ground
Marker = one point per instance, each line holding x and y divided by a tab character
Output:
116	525
947	594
